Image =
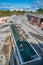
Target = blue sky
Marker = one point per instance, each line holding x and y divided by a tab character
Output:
32	4
16	1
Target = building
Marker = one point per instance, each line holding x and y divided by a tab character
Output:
35	18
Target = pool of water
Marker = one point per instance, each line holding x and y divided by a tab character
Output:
15	33
24	49
26	52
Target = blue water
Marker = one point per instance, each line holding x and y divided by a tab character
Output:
27	52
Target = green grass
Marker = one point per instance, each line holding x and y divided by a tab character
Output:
9	13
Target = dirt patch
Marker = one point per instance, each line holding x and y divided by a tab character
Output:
7	48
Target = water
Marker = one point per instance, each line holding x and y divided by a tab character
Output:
25	50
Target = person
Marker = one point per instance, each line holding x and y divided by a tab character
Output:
21	47
42	25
